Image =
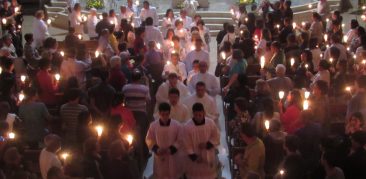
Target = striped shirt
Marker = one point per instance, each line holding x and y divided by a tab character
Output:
136	96
69	114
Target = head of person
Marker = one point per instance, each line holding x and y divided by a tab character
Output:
280	70
115	62
291	144
136	76
170	34
52	143
287	21
149	21
173	96
247	133
335	53
7	40
146	4
306	56
200	89
73	95
198	112
342	66
268	107
196	65
294	98
176	41
169	13
7	64
275	47
39	14
77	7
93	12
316	17
183	13
320	88
105	33
50	43
266	34
164	111
173	79
360	31
329	158
203	66
291	39
12	157
151	45
117	150
275	125
174	58
198	44
358	140
28	38
335	39
357	121
112	13
323	65
354	24
262	87
30	93
237	55
240	105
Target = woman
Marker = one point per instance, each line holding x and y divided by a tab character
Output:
204	33
265	37
355	123
356	42
267	113
316	28
300	78
351	34
127	119
316	53
361	51
262	91
181	32
168	21
340	78
323	73
291	115
241	116
40	29
320	102
47	84
167	44
75	19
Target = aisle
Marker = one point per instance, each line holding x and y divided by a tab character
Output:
223	155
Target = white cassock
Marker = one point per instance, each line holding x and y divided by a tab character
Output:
201	55
167	24
153	34
183	36
186	22
40	32
91	23
211	82
163	137
190	75
75	22
205	167
179	69
115	22
151	12
163	92
208	103
179	112
167	48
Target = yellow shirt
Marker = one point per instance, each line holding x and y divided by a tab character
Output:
253	160
113	41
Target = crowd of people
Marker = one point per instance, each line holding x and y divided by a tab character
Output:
124	86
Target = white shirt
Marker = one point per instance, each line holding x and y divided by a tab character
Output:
321	75
211	82
359	52
342	49
179	69
163	92
201	55
183	36
191	74
72	67
153	34
48	160
186	22
91	23
208	104
351	34
114	20
40	32
151	12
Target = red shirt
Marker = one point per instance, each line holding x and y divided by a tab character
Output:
290	119
48	90
116	78
129	122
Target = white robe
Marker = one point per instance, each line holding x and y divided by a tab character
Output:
206	166
212	84
40	32
166	166
201	55
179	112
115	21
179	69
91	23
208	103
163	92
186	22
183	37
151	12
75	22
168	23
153	34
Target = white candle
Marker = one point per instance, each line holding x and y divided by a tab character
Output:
49	21
326	37
64	156
307	94
223	55
363	62
21	96
345	38
282	172
363	17
331	60
137	3
241	32
4	21
363	7
263	62
62	53
278	26
158	46
129	138
306	66
22	78
305	105
294	25
303	23
80	37
193	47
292	61
348	88
16	9
97	53
57	77
99	130
11	135
19	26
266	124
281	94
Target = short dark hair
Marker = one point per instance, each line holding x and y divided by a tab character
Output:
359	137
136	75
44	63
28	37
335	52
49	42
174	91
6	62
122	46
200	83
276	44
359	116
164	107
198	107
149	21
248	130
354	23
72	94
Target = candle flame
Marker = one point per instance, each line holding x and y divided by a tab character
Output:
305	105
292	61
65	155
49	21
348	88
266	124
22	78
281	94
97	53
223	55
21	96
57	77
307	94
62	53
129	138
11	135
263	61
99	130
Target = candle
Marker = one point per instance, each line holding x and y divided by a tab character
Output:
193	47
345	38
49	21
266	124
22	78
281	94
80	37
363	7
19	26
278	26
84	18
223	55
303	23
4	21
173	51
307	94
327	46
100	17
158	46
292	61
363	17
310	6
246	19
354	56
57	77
99	130
132	24
305	105
363	62
137	3
326	37
282	172
132	61
112	22
1	70
256	37
331	60
97	53
321	55
129	138
64	156
343	25
168	62
11	135
241	32
348	49
294	25
263	62
232	11
62	53
306	66
172	43
21	96
16	9
348	88
327	20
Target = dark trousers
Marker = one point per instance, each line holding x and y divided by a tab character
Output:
142	151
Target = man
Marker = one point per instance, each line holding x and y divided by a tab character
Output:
179	111
149	11
103	24
31	55
114	20
278	55
40	29
71	40
172	82
126	14
356	160
208	102
280	82
212	84
336	41
175	66
153	61
254	155
187	21
197	54
164	141
48	157
75	19
152	33
91	23
201	137
72	67
220	36
286	30
358	101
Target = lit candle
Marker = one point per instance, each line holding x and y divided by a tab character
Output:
363	7
327	20
282	172
345	38
331	60
100	17
256	37
80	36
327	46
99	130
310	6
173	51
97	53
62	53
363	17
263	62
303	23
278	26
223	55
193	47
172	43
354	56
132	24
137	3
281	94
19	26
307	94
1	70
158	46
321	55
21	96
348	49
305	105
57	77
11	135
266	124
168	62
64	156
292	61
306	66
246	19
22	78
343	25
16	9
363	62
348	88
129	138
294	25
132	61
241	32
326	37
84	18
112	22
232	12
4	21
49	21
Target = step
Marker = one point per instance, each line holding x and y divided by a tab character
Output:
211	20
223	14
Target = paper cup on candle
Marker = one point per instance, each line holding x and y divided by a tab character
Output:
99	130
266	124
11	135
307	94
305	105
263	61
292	61
57	77
281	94
129	138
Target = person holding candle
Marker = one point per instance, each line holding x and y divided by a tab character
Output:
291	114
229	37
357	157
48	157
323	73
91	24
357	102
91	161
71	39
40	29
316	28
168	20
175	66
336	42
152	33
7	82
149	11
113	19
163	139
293	165
240	66
278	55
47	84
212	84
172	82
197	53
300	78
75	19
266	37
31	55
116	77
102	24
355	123
280	82
181	32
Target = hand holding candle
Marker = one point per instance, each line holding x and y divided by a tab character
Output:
99	130
223	55
292	61
158	46
57	77
11	135
129	138
281	94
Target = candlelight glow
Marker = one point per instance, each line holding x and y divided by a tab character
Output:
263	61
22	78
278	26
168	62
246	19
363	62
158	46
326	37
343	25
133	24
129	138
11	135
193	47
49	21
294	25
327	20
19	26
137	3
16	9
223	55
4	21
232	11
305	105
172	43
84	18
65	155
241	32
306	66
321	55
79	36
21	96
345	38
282	172
354	56
57	77
348	49
303	23
281	94
307	94
266	124
99	130
97	53
331	60
62	53
292	61
310	6
363	17
348	88
100	17
363	7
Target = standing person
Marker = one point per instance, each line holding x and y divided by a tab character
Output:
91	160
102	24
152	33
148	11
92	23
47	84
187	21
179	111
212	84
201	138
48	157
316	28
172	82
356	160
323	9
197	54
358	101
175	66
75	19
164	141
290	117
40	29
